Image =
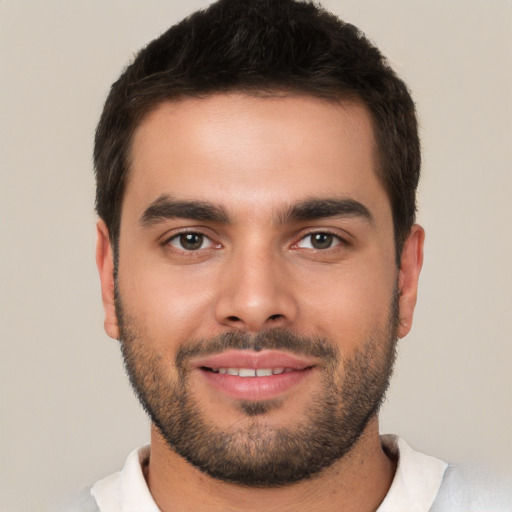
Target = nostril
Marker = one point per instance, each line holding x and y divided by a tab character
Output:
233	319
275	317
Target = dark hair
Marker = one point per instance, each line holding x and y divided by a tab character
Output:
262	47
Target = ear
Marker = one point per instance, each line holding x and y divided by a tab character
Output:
105	264
410	266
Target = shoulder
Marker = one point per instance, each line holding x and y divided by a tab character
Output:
423	483
113	492
468	488
82	502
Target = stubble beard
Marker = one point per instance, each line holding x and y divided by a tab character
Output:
260	454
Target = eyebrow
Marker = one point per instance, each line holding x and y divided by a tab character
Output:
318	208
165	208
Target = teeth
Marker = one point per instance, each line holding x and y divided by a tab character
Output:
264	372
246	372
250	372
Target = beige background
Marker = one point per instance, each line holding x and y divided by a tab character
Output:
68	415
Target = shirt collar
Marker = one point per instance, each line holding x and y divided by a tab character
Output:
414	487
417	478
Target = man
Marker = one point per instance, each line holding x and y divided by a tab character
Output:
256	174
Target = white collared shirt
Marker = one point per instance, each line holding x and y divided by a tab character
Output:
414	488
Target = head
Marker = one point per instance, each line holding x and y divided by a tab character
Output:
264	48
256	173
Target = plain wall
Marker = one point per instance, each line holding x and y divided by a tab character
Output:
68	416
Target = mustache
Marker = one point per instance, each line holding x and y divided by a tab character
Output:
271	339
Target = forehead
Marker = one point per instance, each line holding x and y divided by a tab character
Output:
253	153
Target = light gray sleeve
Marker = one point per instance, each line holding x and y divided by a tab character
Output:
466	489
82	502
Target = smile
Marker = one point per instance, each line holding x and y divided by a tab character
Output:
251	372
250	375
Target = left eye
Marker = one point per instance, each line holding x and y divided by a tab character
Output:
319	241
190	241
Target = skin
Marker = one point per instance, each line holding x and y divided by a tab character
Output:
255	157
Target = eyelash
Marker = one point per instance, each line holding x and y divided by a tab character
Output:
335	239
332	238
180	236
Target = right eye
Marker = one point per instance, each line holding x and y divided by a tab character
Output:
190	241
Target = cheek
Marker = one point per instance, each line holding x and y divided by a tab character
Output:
351	305
169	305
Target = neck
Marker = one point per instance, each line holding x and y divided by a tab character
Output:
357	482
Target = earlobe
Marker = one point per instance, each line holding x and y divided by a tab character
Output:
105	264
410	267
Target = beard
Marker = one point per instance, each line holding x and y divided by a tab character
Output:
256	453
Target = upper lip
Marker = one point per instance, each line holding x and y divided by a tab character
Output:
254	360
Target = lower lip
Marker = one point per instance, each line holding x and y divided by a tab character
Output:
255	388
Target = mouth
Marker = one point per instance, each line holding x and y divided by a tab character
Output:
252	376
250	372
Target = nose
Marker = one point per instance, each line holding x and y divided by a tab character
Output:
255	293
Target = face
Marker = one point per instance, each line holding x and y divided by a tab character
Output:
257	295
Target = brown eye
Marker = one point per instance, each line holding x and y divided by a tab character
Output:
319	241
190	241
